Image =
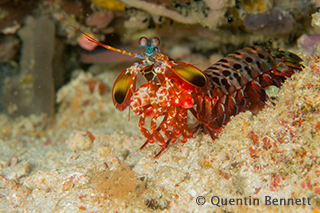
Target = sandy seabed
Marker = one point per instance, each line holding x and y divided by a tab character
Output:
87	159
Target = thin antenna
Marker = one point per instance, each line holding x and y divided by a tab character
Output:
124	52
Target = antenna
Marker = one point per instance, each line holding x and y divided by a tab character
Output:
124	52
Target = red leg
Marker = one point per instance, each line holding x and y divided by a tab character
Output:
163	149
144	145
148	141
144	130
156	132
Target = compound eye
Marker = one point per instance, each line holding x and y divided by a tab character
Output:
155	42
143	42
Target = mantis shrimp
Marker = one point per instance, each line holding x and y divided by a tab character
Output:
234	84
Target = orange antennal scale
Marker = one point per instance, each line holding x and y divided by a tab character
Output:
124	52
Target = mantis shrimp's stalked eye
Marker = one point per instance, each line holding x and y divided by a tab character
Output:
155	42
151	47
143	42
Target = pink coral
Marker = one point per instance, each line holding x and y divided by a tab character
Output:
86	44
100	19
309	43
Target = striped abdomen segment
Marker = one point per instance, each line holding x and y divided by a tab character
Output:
238	83
243	66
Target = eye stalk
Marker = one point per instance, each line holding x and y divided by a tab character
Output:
143	42
151	46
155	42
